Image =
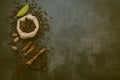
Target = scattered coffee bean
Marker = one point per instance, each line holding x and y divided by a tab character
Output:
33	0
51	17
45	13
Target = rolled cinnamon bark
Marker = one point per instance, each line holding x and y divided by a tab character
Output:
30	50
25	48
35	57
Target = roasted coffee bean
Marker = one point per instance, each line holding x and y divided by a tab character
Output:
45	13
27	26
33	0
51	17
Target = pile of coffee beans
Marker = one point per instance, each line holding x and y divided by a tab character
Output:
27	26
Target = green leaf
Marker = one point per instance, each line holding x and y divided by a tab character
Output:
23	11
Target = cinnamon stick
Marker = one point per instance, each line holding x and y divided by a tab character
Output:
27	46
35	57
30	50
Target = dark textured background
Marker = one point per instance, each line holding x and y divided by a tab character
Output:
84	34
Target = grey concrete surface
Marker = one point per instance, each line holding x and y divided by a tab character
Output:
85	35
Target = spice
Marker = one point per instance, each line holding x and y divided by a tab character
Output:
16	39
35	57
51	17
27	46
45	13
33	0
23	11
30	50
14	48
27	26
